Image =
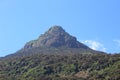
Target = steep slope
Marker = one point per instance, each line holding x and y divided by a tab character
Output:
55	37
55	40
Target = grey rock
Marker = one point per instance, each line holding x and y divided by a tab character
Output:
56	36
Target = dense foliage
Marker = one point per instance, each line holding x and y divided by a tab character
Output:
61	67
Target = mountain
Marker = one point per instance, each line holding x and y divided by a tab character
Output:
55	37
55	40
56	55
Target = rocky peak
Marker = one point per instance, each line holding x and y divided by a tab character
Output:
56	29
56	36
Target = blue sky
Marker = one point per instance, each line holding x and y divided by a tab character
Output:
94	22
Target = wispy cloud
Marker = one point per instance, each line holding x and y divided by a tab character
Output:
118	42
95	45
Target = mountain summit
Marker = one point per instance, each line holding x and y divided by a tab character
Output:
56	36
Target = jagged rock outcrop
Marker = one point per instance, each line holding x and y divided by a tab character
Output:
56	36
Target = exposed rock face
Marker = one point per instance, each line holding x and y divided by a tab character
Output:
56	36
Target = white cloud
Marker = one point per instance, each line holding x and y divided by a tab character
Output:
95	45
118	42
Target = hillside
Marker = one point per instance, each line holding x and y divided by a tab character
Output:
61	67
56	55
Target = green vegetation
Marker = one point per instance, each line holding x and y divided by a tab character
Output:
61	67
